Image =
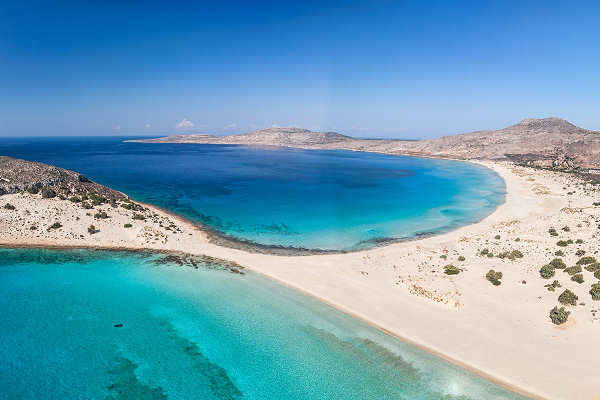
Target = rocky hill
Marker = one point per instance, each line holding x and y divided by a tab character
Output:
20	175
546	142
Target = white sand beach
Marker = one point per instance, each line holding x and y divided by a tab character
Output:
502	332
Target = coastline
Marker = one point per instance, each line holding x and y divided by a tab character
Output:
349	290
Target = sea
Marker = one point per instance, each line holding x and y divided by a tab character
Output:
99	324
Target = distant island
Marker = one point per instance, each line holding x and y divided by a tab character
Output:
546	142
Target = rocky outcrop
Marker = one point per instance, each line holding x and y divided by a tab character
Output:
20	175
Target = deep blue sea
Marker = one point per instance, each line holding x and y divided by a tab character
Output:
113	325
338	200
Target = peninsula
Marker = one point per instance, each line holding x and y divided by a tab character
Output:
514	297
547	142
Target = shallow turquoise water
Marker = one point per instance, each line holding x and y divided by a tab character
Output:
314	199
194	334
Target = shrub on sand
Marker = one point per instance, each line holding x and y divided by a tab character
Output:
595	291
494	277
451	270
559	315
577	278
547	271
568	298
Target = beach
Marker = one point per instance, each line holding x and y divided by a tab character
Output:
502	332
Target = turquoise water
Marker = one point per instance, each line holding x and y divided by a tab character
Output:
194	334
314	199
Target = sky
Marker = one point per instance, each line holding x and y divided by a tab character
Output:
406	69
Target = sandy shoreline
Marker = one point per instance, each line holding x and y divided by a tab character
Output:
500	332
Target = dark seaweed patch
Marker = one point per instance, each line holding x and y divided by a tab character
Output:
126	386
220	383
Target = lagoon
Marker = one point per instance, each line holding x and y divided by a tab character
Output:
335	200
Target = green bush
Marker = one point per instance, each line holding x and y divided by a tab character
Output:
511	255
558	263
461	258
451	270
33	228
586	260
577	278
92	229
516	254
497	237
75	199
517	239
552	286
559	253
86	205
564	243
138	217
579	241
33	190
101	215
503	254
490	254
484	252
552	232
55	225
559	315
573	270
127	225
597	274
48	193
129	205
592	267
580	252
9	206
494	277
566	229
443	256
547	271
568	297
595	291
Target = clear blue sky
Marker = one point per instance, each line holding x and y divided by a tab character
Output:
373	68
